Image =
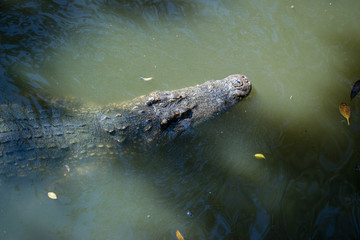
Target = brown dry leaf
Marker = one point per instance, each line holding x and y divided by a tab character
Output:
345	111
178	235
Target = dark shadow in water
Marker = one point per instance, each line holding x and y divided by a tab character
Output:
321	196
165	10
349	43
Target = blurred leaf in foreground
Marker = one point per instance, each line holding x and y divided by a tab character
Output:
345	111
178	235
67	168
355	89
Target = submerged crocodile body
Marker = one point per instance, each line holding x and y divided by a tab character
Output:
31	136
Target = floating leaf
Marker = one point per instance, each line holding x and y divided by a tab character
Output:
178	235
52	195
355	89
345	111
259	156
146	78
67	167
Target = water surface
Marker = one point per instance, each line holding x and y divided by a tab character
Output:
302	58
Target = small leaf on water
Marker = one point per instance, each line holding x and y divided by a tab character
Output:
345	111
146	78
52	195
67	167
189	213
178	235
355	89
259	156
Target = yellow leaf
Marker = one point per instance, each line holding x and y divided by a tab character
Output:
345	111
178	235
52	195
259	156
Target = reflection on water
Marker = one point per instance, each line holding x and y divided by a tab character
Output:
302	61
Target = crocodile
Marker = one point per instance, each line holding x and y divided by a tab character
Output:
34	137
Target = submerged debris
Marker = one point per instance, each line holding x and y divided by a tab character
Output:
189	213
355	89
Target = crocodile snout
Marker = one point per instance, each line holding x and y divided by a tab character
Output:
240	86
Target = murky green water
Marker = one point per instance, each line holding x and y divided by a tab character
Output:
302	61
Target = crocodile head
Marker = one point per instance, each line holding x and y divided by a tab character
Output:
183	108
214	97
166	114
